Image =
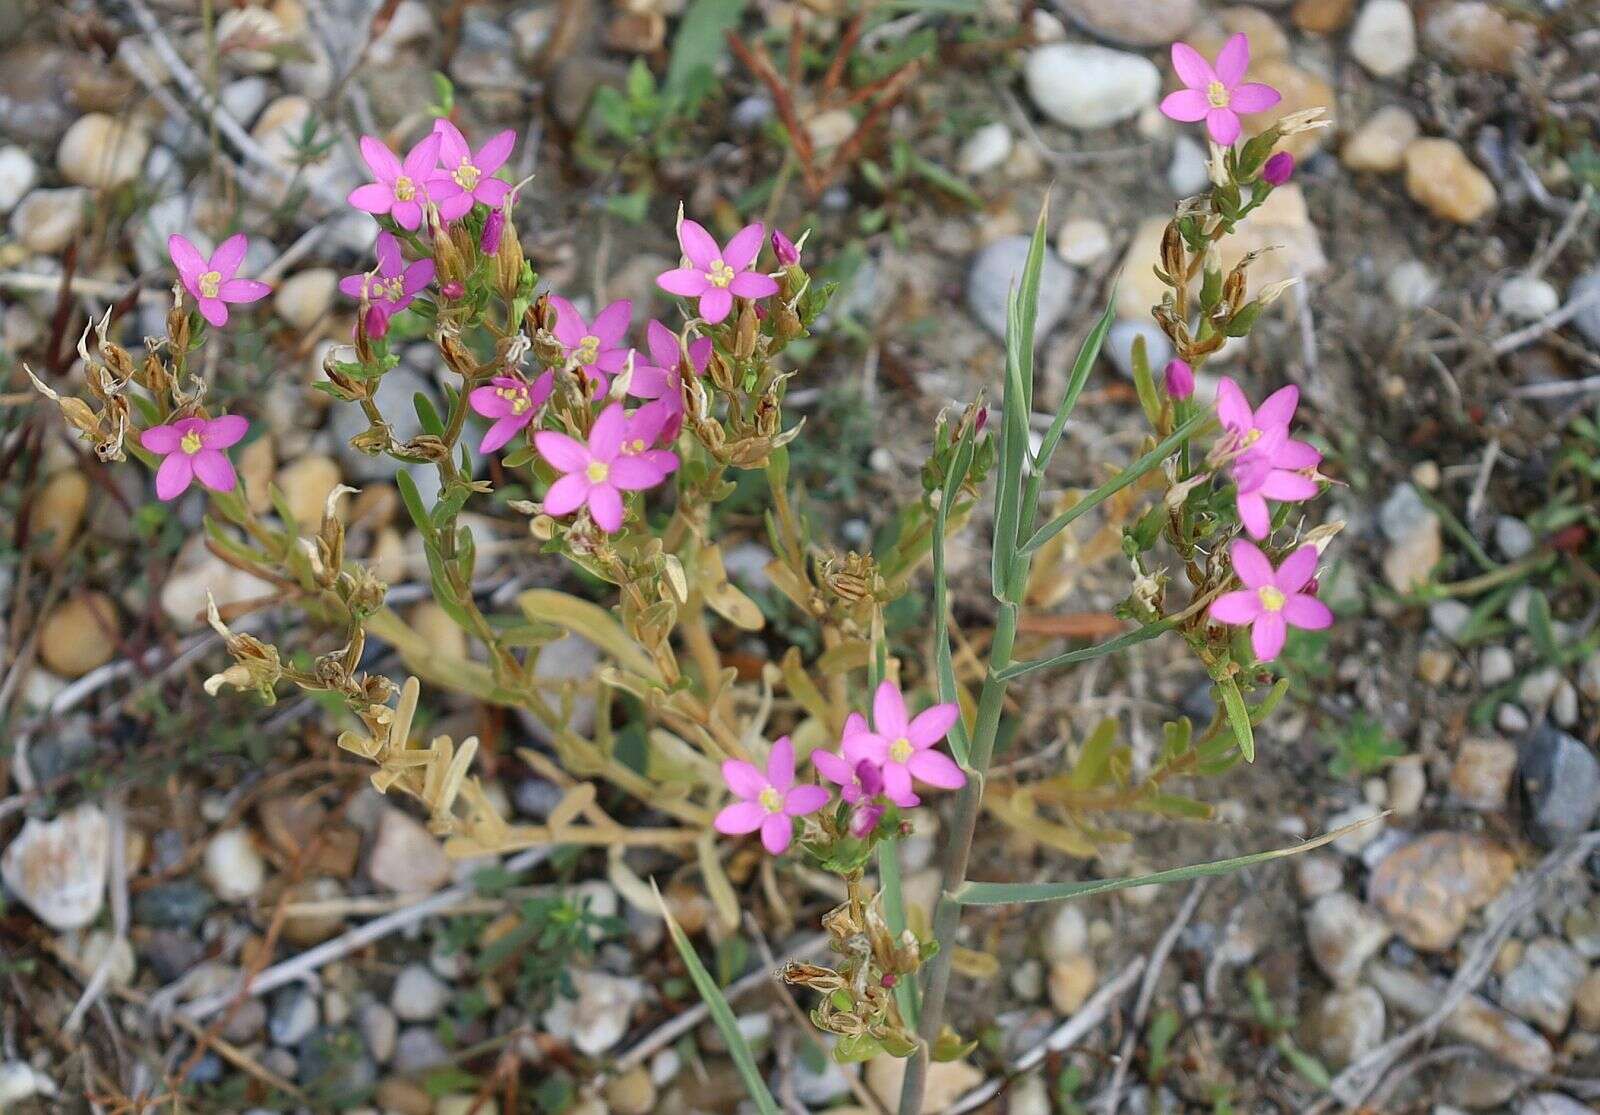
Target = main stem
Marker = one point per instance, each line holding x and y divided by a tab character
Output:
947	916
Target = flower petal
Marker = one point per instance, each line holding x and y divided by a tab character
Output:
186	258
605	436
834	767
230	254
214	310
889	711
635	474
715	304
161	439
561	451
1192	68
569	327
212	468
503	430
1236	607
699	247
1253	513
686	282
804	799
1250	564
780	764
740	818
1267	635
776	833
451	208
1308	612
567	494
699	354
1185	106
753	284
744	779
897	785
422	158
243	290
174	476
1253	96
605	507
1233	60
374	197
493	154
407	214
1298	568
662	344
1278	408
224	430
865	745
379	159
1296	455
1233	409
1223	124
452	144
933	724
742	250
610	325
417	276
1288	487
492	191
936	769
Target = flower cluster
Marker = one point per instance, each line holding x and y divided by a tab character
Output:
1264	462
874	767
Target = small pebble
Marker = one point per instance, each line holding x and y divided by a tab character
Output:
418	994
985	149
1085	86
1082	240
1441	177
1526	298
233	867
1384	38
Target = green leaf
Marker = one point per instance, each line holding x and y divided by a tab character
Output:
1016	405
429	417
1088	353
1005	894
722	1014
1144	384
1238	717
701	39
413	501
1086	654
1120	481
1539	626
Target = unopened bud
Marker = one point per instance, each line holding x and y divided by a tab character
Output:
1279	169
1179	379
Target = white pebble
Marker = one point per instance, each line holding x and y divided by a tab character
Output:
17	176
985	149
1525	298
233	867
1411	285
1082	240
1384	39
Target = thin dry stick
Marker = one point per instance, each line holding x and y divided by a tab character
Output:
1063	1037
1513	341
1352	1086
1147	991
303	965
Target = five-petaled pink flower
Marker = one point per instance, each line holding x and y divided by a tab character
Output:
472	173
192	450
662	378
904	747
403	187
716	274
512	403
1271	601
392	285
598	348
212	281
769	800
598	473
858	781
1217	96
1266	462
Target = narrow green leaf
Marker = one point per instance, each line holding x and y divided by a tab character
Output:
427	415
1088	353
1118	482
722	1014
1099	650
1016	405
701	39
1005	894
1238	718
413	501
1144	383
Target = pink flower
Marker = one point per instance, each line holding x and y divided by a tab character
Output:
662	378
192	448
768	800
512	403
647	427
598	473
1271	601
402	188
858	781
1179	379
472	173
211	281
392	285
1278	169
784	249
597	348
1216	95
1267	463
903	747
716	274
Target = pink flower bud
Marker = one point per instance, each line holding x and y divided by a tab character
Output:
1179	379
782	247
493	226
376	321
452	291
864	820
1279	169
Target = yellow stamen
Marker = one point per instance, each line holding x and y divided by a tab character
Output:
210	283
719	273
771	800
597	472
190	443
900	750
588	349
404	189
1217	94
466	175
634	447
1272	599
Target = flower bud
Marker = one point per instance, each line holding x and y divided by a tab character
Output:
1279	169
493	226
1179	379
784	249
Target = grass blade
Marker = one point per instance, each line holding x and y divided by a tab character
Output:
1005	894
722	1014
